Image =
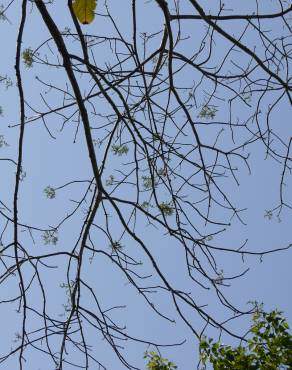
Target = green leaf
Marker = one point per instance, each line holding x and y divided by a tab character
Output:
84	10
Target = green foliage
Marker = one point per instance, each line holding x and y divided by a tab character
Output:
145	205
148	183
166	208
156	362
110	180
162	172
156	136
2	140
97	142
6	81
22	174
50	237
208	112
50	192
119	149
27	56
271	214
116	246
270	347
68	288
268	214
247	96
220	278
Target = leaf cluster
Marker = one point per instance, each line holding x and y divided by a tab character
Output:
270	347
156	362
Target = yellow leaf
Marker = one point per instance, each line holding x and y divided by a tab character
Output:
84	10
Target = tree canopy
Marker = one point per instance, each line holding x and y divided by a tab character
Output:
268	348
145	150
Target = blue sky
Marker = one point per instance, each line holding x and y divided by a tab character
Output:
55	162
